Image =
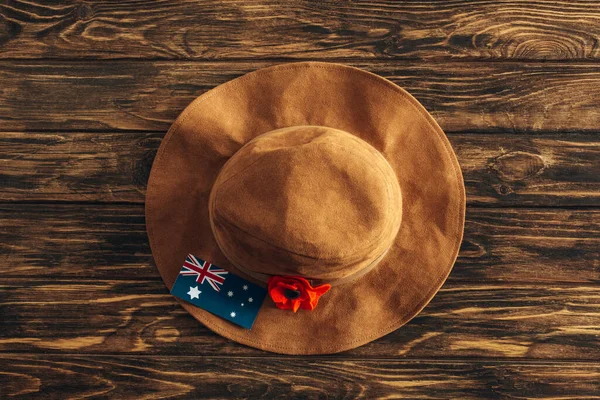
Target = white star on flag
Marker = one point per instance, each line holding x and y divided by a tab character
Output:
230	293
245	287
250	300
232	314
194	293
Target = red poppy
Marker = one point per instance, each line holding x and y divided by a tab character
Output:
294	292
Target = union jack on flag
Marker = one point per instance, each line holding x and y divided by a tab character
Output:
204	271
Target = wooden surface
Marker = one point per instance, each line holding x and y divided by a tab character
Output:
88	89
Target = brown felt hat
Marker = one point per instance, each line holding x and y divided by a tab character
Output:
317	170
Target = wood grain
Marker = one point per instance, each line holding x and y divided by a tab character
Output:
499	246
92	242
129	95
86	166
485	321
35	377
548	170
186	29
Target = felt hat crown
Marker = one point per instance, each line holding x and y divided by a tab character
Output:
307	201
318	171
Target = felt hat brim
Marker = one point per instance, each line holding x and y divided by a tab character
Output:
219	122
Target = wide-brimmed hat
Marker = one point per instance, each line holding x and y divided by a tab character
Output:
318	180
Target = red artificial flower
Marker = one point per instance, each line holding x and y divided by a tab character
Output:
294	292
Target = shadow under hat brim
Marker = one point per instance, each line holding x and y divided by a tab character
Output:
219	122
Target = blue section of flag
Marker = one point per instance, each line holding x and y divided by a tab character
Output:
218	291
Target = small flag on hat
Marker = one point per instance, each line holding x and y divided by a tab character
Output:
218	291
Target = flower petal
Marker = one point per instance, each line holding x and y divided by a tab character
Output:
296	305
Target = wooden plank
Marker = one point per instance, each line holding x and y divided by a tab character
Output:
130	95
507	170
510	321
92	242
291	378
187	29
90	167
548	170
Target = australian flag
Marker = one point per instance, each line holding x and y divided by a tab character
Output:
218	291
